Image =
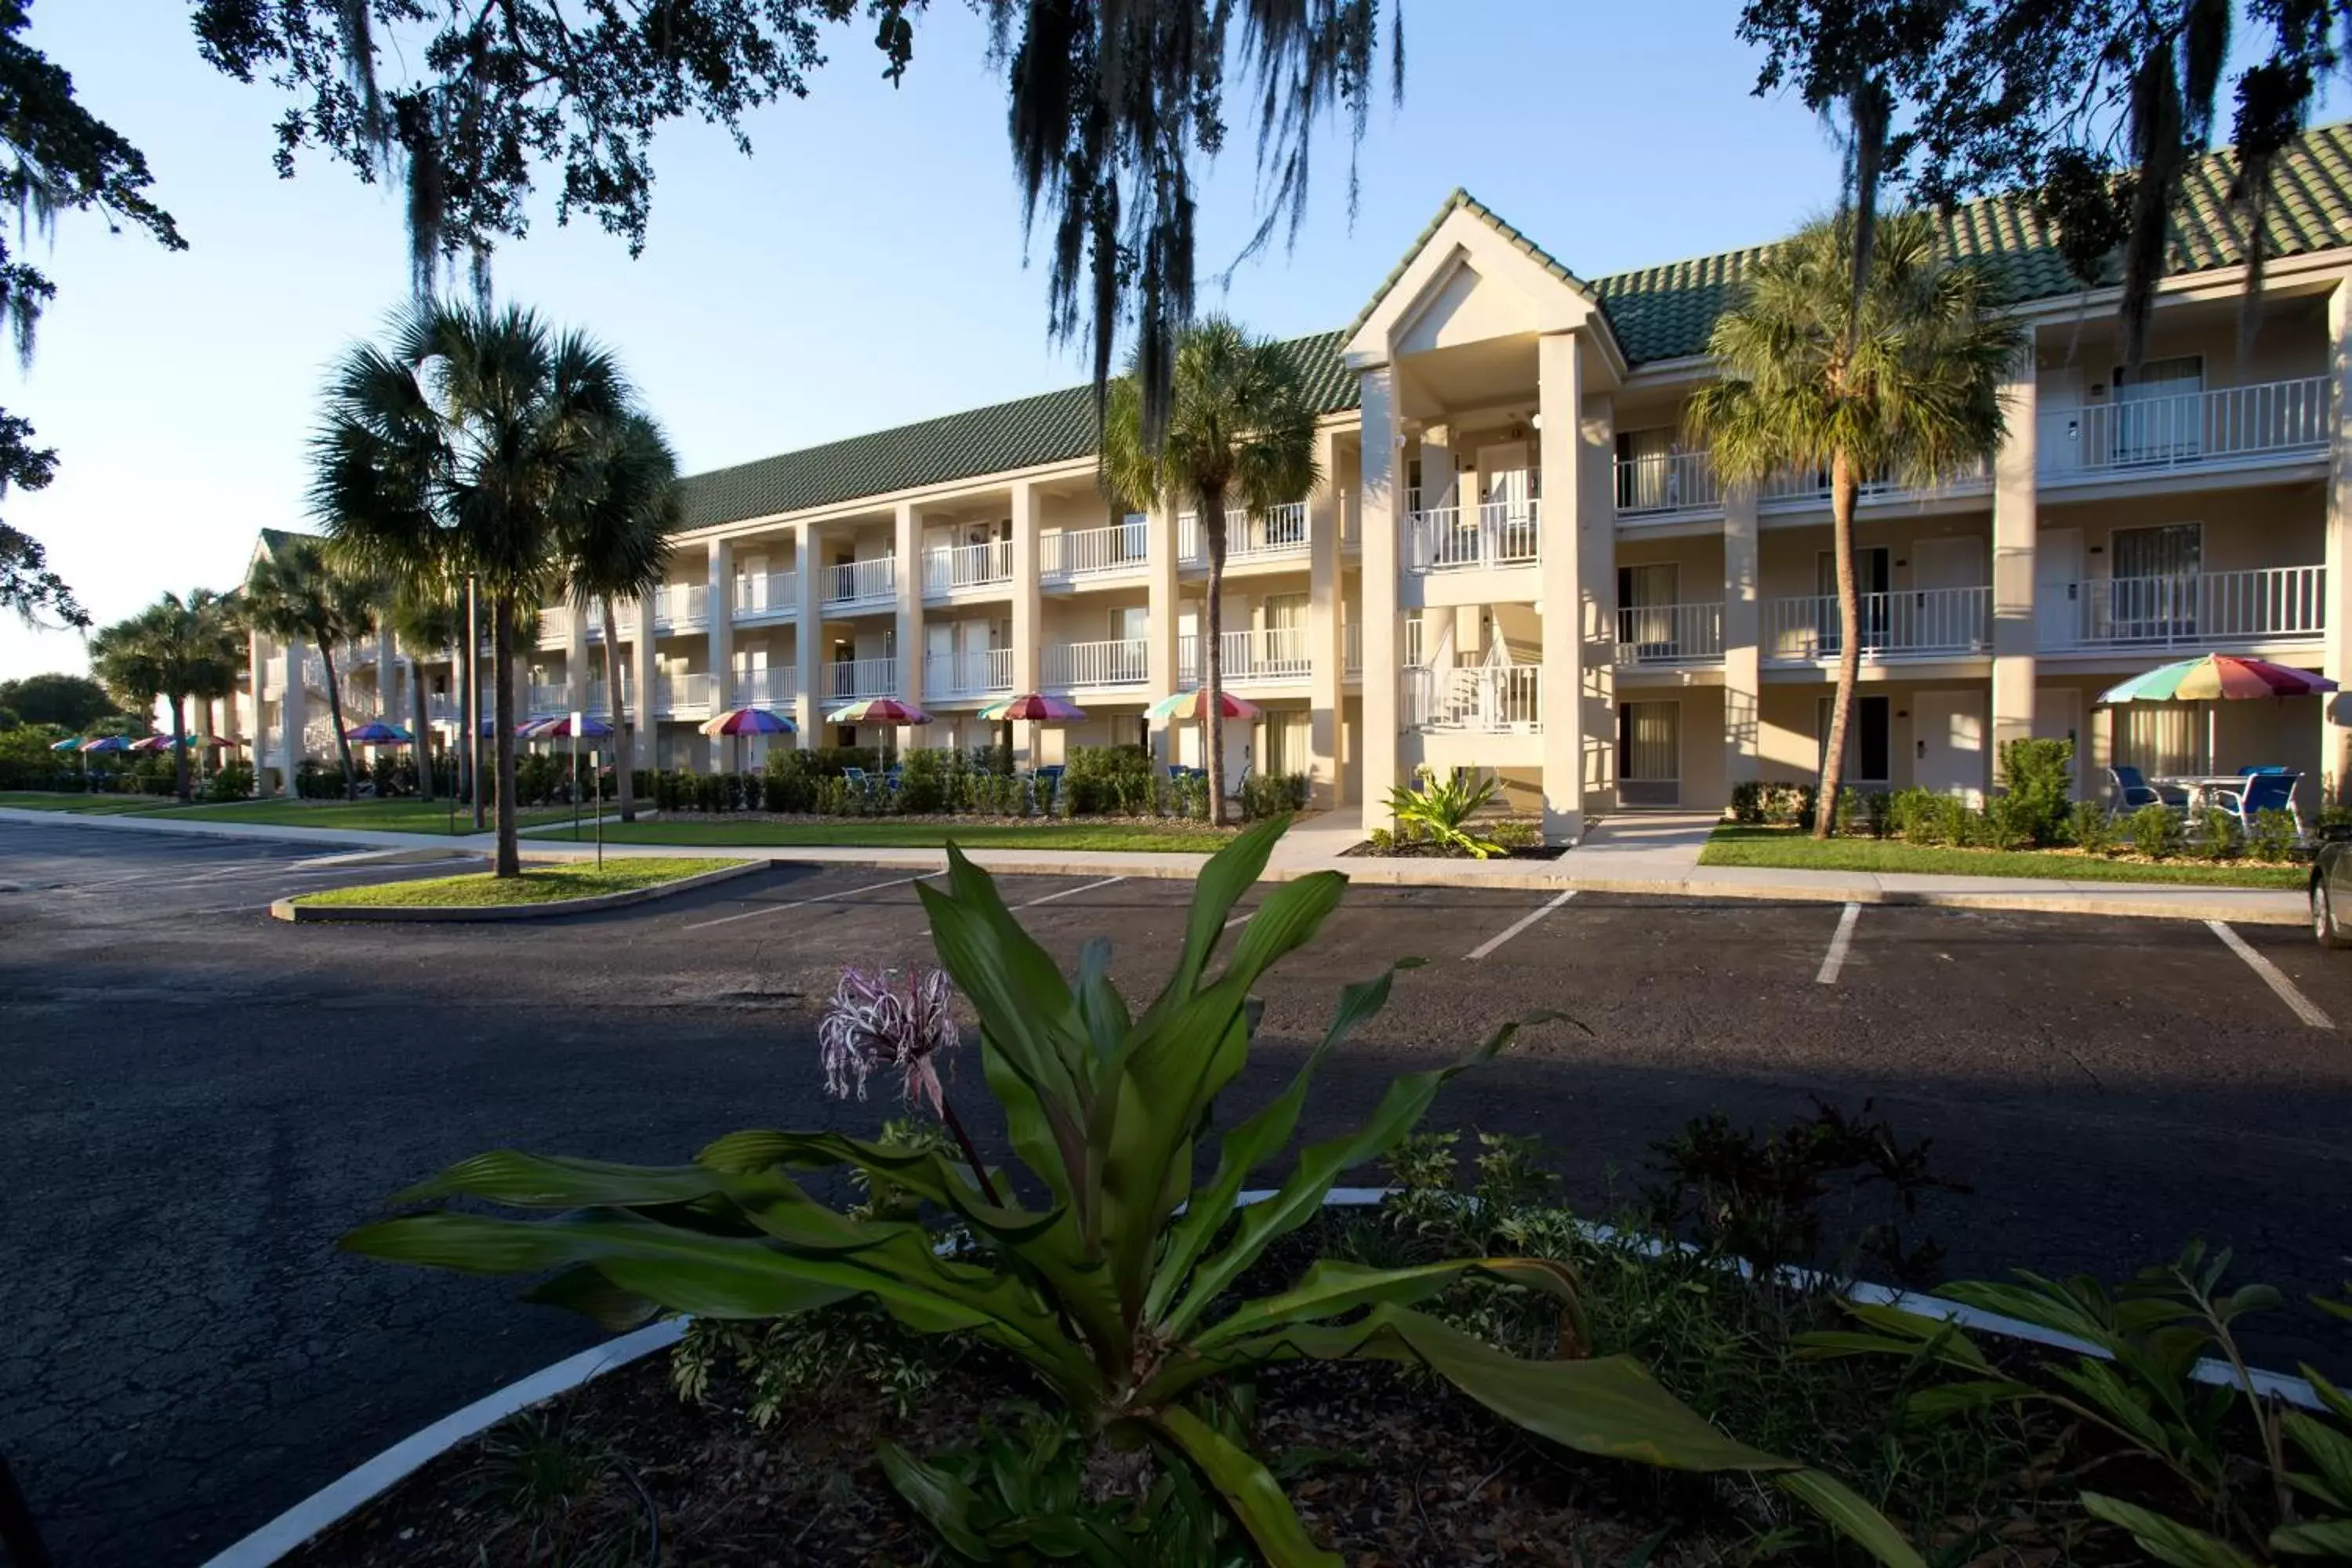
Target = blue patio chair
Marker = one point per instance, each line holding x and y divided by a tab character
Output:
856	776
2128	791
2269	790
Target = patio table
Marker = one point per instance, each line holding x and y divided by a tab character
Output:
2199	785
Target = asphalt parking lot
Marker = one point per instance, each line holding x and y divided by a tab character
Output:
198	1101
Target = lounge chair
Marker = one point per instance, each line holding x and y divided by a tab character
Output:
2268	790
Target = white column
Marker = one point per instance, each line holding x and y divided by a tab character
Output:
644	668
576	669
910	574
1161	604
1560	395
1596	548
721	644
1440	486
808	633
385	675
1743	636
256	681
2015	530
293	716
1028	628
1381	489
1327	648
2335	710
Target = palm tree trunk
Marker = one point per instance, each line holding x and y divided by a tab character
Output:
472	751
335	711
419	728
509	857
1212	652
624	758
180	749
1845	485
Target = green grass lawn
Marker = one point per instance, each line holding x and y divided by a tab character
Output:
541	883
884	834
373	816
1786	849
77	801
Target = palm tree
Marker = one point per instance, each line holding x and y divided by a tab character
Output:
424	614
1901	378
299	590
176	648
620	551
471	446
1240	427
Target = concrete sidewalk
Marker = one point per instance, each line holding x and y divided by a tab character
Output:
1640	853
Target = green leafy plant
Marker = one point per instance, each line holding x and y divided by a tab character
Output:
2155	831
1115	1275
2218	838
561	1496
1441	810
2273	837
2138	1392
2040	776
2090	829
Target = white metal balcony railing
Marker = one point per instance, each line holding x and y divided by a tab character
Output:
555	626
1665	482
1120	661
547	700
767	594
1351	640
967	566
681	606
1670	634
849	679
2276	603
1265	655
1094	551
776	687
682	695
1459	539
1915	621
2227	424
624	621
1492	700
976	672
1283	531
872	581
601	705
1811	487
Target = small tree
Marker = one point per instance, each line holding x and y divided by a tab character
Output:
1902	378
299	590
176	649
424	614
619	549
1240	427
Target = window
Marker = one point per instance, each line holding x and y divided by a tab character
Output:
2161	739
2158	415
1645	619
2153	593
1645	470
1872	579
1869	741
1289	743
1415	652
1649	753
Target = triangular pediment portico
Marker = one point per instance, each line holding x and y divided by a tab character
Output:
1469	280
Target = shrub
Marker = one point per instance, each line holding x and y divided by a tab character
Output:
2155	831
2011	822
1954	822
1911	813
2274	838
1102	779
1878	813
2218	838
923	781
1273	795
1748	802
1441	810
230	780
2090	829
1381	840
1130	1300
2040	775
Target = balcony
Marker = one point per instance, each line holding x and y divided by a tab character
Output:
977	672
1799	491
1351	638
1668	635
682	607
868	583
1119	549
1281	532
766	595
2280	603
1268	656
774	686
1667	483
1121	661
624	621
682	697
1484	700
1919	623
545	702
967	566
1493	535
601	704
555	626
2224	428
853	680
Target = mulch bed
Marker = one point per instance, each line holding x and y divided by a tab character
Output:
1385	1466
1426	851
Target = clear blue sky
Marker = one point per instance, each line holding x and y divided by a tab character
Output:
864	268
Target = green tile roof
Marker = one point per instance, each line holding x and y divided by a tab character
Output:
1656	312
1055	426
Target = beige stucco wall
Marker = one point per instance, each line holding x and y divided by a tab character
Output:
2275	525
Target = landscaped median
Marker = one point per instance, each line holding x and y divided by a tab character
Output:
900	833
545	888
1794	849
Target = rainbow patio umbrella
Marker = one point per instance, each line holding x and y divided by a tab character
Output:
70	743
879	710
107	743
152	744
748	721
2217	676
1195	705
591	729
1035	708
375	732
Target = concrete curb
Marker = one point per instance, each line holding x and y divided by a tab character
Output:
346	1495
405	915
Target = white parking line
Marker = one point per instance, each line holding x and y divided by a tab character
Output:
1517	926
1843	938
2305	1009
1067	892
803	903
